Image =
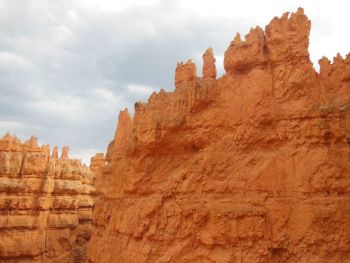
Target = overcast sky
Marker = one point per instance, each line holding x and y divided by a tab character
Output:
68	67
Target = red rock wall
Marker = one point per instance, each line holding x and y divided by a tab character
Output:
251	167
45	204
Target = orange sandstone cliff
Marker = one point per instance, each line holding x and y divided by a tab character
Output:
251	167
45	203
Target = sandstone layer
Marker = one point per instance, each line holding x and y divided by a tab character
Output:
250	167
45	203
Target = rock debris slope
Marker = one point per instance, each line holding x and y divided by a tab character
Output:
45	203
250	167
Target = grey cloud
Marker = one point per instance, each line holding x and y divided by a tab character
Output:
65	69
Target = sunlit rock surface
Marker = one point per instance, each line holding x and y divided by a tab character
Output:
45	203
250	167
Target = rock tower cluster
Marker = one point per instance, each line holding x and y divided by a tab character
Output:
45	203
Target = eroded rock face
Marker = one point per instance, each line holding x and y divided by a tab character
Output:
245	55
45	203
251	167
185	73
209	68
97	163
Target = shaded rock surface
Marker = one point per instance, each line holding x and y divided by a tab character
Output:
250	167
45	203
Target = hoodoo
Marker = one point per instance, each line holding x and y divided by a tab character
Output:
250	167
45	203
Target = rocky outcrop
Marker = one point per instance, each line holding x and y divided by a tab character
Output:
45	203
97	163
250	167
185	73
209	67
248	54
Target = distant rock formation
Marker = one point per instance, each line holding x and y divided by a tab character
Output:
45	203
250	167
97	163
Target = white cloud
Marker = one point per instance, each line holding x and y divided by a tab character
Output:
84	154
71	109
14	62
112	6
10	125
140	89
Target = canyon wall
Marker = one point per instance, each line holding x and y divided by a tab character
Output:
45	203
250	167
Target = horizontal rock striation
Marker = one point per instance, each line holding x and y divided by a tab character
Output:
45	203
250	167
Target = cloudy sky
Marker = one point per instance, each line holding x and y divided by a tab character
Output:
68	67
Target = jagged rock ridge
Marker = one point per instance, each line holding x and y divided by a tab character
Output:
250	167
45	203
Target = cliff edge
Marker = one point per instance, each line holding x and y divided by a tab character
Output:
249	167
